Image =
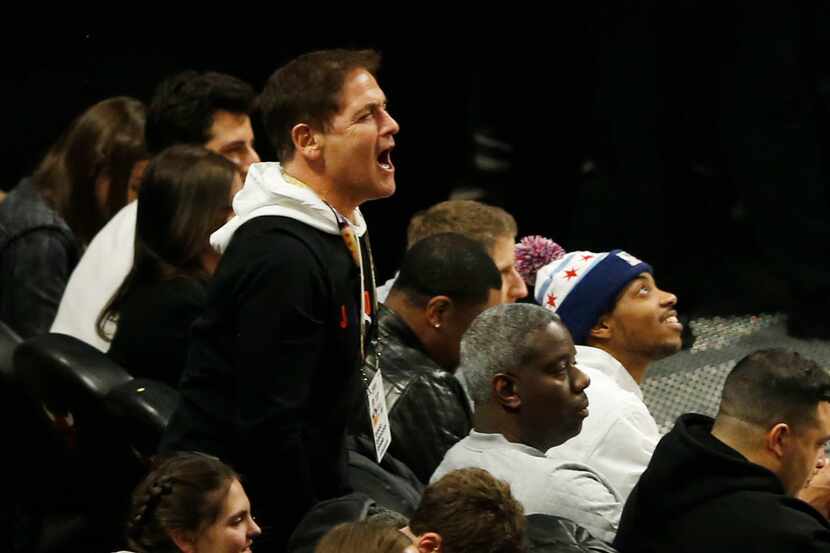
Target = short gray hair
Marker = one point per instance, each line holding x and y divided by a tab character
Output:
497	341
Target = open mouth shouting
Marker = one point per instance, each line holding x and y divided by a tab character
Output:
385	160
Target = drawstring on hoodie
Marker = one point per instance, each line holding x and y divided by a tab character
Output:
353	245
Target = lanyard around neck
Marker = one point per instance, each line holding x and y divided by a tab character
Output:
352	243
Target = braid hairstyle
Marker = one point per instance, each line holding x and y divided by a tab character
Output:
147	503
184	492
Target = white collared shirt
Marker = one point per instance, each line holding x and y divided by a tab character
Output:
619	435
98	275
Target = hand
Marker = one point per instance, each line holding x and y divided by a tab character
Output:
817	491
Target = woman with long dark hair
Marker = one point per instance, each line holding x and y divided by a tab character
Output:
47	220
185	195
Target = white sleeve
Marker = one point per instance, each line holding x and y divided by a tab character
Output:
625	451
99	273
580	494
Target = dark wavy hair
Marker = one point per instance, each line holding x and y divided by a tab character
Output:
184	197
185	492
104	141
307	90
183	106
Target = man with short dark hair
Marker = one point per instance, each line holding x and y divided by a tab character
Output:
730	484
445	281
529	396
274	366
208	109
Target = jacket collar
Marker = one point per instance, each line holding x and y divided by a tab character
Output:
607	364
392	325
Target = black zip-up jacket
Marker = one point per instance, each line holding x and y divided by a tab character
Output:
273	369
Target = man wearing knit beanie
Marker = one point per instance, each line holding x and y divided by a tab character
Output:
621	322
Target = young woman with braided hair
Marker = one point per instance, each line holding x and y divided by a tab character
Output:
190	503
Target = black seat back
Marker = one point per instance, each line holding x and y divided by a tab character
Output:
83	477
142	408
36	446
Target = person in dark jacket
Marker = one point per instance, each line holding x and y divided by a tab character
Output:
185	195
445	281
731	484
274	365
49	218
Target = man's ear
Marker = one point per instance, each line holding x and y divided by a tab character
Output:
307	142
603	329
182	541
437	309
430	542
506	391
778	438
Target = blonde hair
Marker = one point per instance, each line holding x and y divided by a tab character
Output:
475	220
357	537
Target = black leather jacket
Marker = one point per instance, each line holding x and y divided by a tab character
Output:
552	534
428	410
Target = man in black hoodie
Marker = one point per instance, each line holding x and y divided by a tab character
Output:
274	365
732	484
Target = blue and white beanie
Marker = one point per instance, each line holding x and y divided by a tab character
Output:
582	286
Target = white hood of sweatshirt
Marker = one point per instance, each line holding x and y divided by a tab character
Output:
266	193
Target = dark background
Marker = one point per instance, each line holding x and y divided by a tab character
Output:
693	135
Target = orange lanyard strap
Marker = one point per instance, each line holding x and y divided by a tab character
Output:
368	303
